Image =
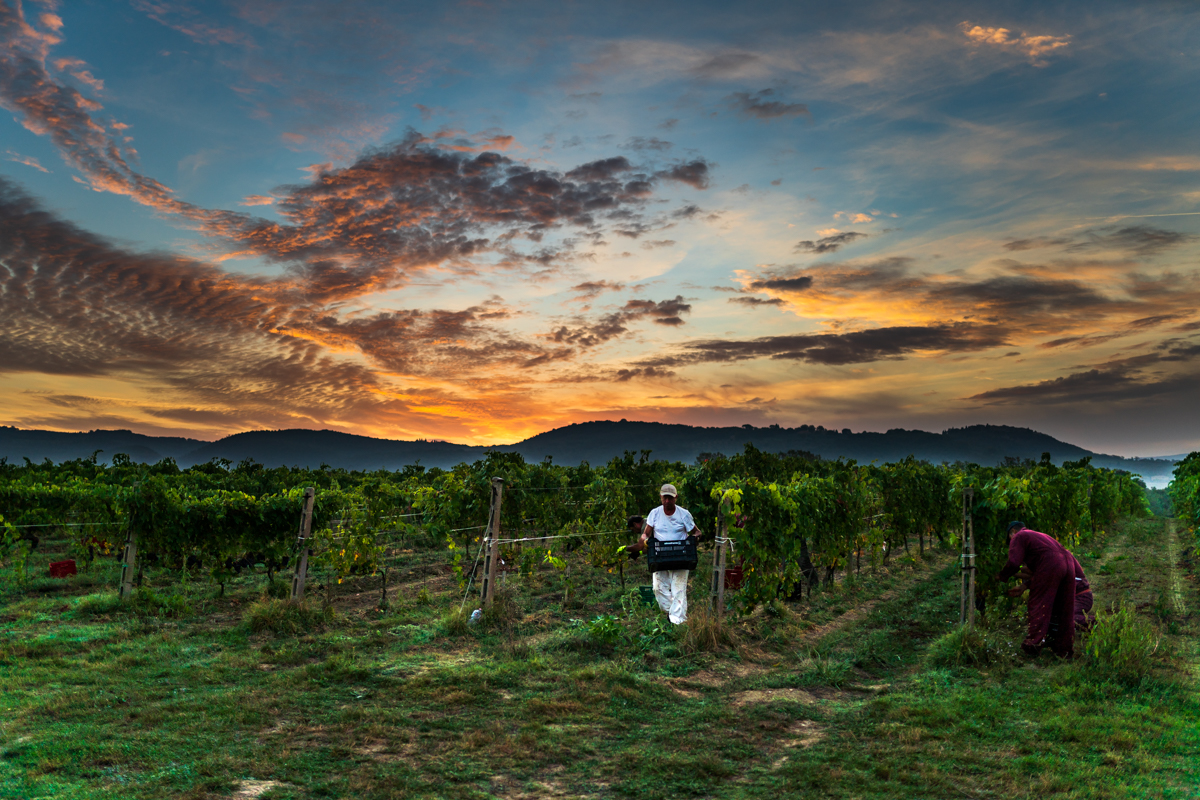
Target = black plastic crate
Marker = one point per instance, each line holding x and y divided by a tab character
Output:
661	556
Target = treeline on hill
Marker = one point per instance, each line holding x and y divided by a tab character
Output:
794	518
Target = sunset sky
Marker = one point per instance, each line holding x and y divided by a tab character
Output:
477	221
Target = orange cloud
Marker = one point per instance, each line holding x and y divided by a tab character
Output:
1034	47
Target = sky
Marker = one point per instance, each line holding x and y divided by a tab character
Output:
478	221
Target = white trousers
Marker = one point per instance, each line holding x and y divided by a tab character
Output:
670	589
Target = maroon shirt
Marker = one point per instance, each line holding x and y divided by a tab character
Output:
1033	549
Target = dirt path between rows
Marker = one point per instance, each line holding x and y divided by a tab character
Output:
931	564
1176	582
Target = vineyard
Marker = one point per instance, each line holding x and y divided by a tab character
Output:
791	520
839	668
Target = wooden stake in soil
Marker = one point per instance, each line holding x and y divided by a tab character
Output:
128	564
718	577
491	562
301	573
971	563
967	605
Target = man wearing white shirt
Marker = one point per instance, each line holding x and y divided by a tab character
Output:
670	523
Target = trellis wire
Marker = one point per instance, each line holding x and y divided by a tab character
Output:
564	488
62	524
558	536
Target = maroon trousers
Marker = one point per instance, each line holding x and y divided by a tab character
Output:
1052	607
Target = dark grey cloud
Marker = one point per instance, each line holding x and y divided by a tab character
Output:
1156	320
1022	296
757	301
1135	378
725	64
796	284
763	106
693	173
624	375
610	326
855	347
590	290
829	244
647	143
413	204
1092	386
1142	240
1020	245
603	169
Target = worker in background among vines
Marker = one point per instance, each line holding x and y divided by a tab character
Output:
669	523
1051	588
1084	600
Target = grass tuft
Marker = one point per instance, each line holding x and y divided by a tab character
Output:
823	670
503	613
704	631
456	623
1121	645
285	618
145	602
965	646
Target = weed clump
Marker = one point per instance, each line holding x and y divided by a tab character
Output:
456	623
145	602
823	670
967	646
285	618
704	632
1121	645
503	613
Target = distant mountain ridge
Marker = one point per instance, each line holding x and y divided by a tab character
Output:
594	442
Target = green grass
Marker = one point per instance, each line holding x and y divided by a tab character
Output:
867	691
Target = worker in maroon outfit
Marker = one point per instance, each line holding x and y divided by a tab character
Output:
1084	619
1051	591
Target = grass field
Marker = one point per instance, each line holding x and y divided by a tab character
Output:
852	694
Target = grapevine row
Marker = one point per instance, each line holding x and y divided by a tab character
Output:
795	519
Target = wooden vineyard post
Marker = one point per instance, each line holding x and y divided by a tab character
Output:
301	573
491	561
971	570
967	610
128	565
718	577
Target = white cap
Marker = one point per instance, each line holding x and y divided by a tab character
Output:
668	489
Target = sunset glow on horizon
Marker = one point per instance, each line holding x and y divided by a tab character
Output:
479	221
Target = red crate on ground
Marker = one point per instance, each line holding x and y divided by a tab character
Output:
62	569
733	578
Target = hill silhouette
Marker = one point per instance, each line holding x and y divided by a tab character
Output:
594	442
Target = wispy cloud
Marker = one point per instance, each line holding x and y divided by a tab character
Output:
1034	47
829	244
762	105
28	161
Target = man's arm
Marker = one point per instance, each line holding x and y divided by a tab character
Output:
1016	556
640	545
